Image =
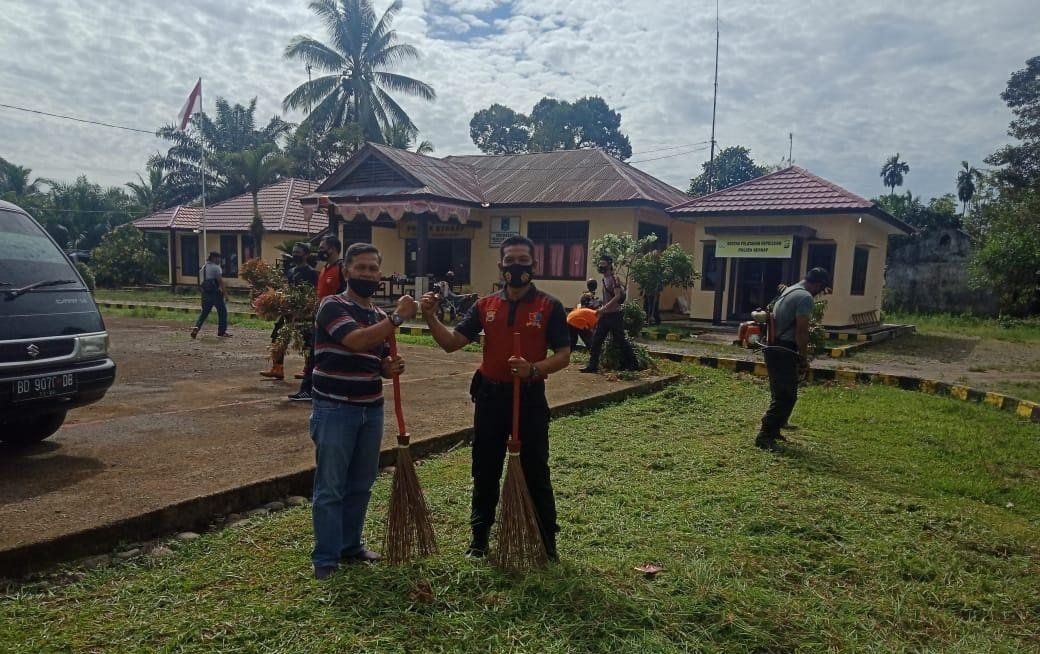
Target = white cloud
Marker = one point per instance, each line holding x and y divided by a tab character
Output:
855	82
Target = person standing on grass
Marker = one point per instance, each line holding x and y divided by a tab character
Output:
611	321
301	272
539	318
787	357
330	282
214	294
351	358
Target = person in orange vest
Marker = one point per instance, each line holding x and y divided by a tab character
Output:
330	282
583	318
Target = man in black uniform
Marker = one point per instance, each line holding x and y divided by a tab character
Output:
611	320
302	272
540	320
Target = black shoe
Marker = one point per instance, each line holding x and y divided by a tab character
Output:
224	335
194	332
302	396
589	369
788	425
323	572
766	442
478	547
364	556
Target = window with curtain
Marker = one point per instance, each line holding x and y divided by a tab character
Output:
646	229
709	268
561	248
190	255
248	247
860	261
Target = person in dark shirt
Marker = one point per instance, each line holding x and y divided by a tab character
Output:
330	281
300	272
351	358
540	320
611	320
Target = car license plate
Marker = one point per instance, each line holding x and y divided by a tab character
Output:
48	386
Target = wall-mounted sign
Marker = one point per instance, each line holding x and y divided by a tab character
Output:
435	230
745	246
502	227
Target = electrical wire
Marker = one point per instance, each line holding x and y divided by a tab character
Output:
78	120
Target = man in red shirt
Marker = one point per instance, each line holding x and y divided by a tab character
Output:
541	322
330	282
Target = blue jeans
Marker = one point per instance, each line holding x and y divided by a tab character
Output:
209	301
347	440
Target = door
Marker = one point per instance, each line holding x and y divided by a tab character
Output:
756	285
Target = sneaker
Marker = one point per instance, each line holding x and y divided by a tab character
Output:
364	556
194	332
302	396
476	551
766	442
224	335
589	369
788	425
323	572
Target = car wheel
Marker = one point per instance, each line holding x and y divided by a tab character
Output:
27	431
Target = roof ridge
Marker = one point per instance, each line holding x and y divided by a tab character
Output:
832	185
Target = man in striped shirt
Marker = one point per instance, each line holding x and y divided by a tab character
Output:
351	360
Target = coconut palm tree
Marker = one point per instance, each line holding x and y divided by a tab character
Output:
252	170
152	195
358	60
892	172
404	137
966	187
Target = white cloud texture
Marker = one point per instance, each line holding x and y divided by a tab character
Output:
855	82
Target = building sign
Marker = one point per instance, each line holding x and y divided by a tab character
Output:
435	230
502	227
745	246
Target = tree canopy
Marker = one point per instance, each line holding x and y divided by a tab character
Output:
732	166
552	125
892	172
1020	163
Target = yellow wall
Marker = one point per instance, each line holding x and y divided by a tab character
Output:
845	230
268	253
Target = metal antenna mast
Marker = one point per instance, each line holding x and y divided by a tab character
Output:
714	103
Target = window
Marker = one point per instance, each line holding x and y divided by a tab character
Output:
709	268
248	247
821	255
560	248
646	229
190	255
356	231
229	254
859	271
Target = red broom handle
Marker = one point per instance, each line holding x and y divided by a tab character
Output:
402	432
514	442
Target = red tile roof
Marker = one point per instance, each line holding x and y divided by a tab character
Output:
278	203
791	190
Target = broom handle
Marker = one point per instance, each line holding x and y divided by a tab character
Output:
402	432
514	442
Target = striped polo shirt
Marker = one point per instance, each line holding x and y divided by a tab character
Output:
339	374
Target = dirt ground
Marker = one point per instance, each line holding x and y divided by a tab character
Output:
188	418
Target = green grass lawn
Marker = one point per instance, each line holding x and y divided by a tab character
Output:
116	295
893	521
1025	330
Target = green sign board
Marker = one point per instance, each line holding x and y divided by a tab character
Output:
744	246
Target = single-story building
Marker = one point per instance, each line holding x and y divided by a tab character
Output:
228	230
429	215
751	237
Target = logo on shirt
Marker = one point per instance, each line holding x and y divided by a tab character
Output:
490	317
534	319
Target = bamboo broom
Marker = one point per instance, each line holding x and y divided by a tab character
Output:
520	545
409	530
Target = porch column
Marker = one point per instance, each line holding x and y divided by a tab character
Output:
423	240
334	220
720	288
172	250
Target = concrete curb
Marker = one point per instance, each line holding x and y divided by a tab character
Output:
105	304
866	340
1023	408
195	514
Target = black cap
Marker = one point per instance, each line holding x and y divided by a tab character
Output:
818	276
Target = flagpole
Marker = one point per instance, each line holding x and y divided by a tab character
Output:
202	169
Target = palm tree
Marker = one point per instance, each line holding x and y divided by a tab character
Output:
252	170
14	181
404	137
966	188
892	172
152	195
357	60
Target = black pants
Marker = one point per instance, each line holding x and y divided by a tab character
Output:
652	307
782	364
612	324
584	334
308	365
209	302
492	424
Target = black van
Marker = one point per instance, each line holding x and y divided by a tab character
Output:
53	343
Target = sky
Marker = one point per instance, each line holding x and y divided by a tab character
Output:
855	82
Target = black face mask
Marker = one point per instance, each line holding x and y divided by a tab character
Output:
518	274
602	269
297	258
363	287
323	256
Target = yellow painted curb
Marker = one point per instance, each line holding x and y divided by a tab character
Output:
728	364
672	336
843	337
761	370
959	392
1025	408
888	380
847	376
862	337
837	352
928	386
995	399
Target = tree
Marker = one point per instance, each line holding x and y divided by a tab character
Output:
232	130
358	61
16	187
553	125
124	258
1020	164
966	179
252	170
85	211
656	270
1006	261
624	249
151	196
892	173
732	166
500	130
939	213
314	154
404	138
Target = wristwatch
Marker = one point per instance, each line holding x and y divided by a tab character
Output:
536	374
396	319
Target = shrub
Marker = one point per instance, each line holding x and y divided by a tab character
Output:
86	274
634	318
611	359
123	258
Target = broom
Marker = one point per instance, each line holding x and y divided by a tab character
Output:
409	531
520	545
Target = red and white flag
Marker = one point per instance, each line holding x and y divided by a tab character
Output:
192	106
